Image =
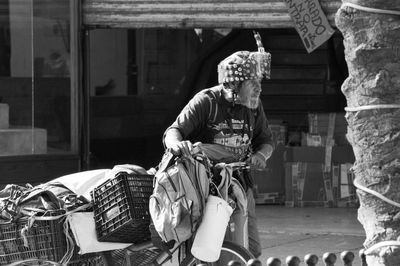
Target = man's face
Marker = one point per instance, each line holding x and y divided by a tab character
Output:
249	93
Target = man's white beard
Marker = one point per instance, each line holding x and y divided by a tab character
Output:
253	102
249	101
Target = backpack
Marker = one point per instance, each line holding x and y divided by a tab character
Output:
18	202
181	187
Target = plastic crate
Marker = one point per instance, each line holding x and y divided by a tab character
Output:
143	257
121	208
116	257
91	259
45	240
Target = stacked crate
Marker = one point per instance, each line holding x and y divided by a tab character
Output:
39	243
318	173
121	208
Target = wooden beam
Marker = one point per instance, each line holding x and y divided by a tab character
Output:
193	13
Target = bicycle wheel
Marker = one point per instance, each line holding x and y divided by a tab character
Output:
229	252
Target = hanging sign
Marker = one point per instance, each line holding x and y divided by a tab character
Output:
310	22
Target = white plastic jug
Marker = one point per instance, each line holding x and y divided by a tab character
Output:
211	232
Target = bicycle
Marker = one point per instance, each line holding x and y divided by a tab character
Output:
148	254
151	255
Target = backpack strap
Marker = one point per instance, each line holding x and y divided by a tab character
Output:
253	114
212	115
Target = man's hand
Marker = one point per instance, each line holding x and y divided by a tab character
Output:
258	160
173	140
182	148
260	157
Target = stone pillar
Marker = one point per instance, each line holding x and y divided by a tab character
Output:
372	52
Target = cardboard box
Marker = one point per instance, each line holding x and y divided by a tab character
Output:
23	140
304	182
271	178
278	134
312	140
308	184
340	154
318	123
266	181
4	115
274	198
345	191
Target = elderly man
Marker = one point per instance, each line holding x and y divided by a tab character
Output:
230	114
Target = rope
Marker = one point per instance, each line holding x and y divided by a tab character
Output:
22	262
370	107
372	10
376	194
381	245
49	218
387	243
70	242
24	232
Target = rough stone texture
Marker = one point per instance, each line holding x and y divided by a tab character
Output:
372	52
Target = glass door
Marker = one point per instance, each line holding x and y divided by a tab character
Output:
38	95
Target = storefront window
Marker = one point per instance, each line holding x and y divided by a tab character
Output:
37	115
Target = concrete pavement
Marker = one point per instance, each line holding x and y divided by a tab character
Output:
298	231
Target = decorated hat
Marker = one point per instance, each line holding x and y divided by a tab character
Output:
245	65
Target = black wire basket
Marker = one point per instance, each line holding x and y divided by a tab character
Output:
44	240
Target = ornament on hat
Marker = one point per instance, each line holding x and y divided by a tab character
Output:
244	65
